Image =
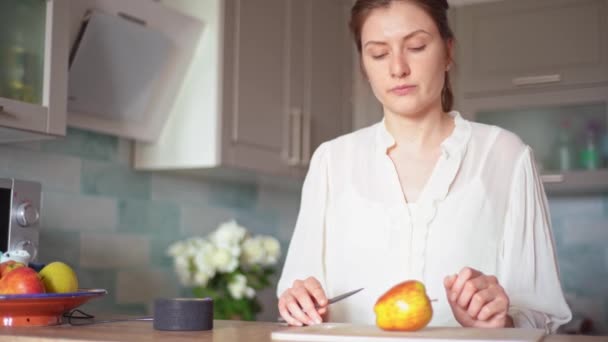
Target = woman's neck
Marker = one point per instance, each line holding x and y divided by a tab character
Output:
420	133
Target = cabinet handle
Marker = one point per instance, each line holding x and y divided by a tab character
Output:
286	154
531	80
307	122
295	137
558	178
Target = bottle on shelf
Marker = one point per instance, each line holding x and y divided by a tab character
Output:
604	148
565	149
590	156
17	86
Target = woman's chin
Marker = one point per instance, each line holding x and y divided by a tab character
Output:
410	109
408	112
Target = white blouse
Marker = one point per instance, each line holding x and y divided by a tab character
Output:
483	207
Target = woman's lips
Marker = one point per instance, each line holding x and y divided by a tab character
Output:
403	90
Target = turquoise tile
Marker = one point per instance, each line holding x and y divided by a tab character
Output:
83	144
558	228
100	306
157	219
158	252
583	270
98	279
100	178
57	245
186	292
258	222
231	195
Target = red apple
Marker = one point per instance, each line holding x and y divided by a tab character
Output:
8	266
22	280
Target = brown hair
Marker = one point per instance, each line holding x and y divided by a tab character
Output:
436	9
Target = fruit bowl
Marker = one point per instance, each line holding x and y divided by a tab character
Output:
42	309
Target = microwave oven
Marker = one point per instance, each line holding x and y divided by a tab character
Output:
20	204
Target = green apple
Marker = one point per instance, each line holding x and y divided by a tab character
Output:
58	277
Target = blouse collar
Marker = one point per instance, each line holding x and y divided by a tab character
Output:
453	145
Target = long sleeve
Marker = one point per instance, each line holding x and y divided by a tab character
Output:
306	249
528	267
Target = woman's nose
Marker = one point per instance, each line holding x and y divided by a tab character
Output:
399	66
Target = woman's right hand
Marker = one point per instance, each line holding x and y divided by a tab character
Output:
303	303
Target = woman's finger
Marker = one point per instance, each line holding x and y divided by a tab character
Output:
497	307
307	305
448	281
463	276
285	312
316	290
296	312
470	288
478	301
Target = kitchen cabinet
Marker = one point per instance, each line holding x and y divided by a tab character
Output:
33	69
521	45
270	81
553	123
540	69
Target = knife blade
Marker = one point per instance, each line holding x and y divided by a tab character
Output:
340	297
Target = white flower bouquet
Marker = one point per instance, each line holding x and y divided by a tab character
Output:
228	266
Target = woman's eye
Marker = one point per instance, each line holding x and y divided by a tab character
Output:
417	48
378	55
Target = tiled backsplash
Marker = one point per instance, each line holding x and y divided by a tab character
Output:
114	224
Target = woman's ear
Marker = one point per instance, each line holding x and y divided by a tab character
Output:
449	44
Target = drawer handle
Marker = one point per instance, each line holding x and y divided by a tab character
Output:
294	127
307	122
531	80
552	178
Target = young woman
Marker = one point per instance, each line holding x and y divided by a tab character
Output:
424	194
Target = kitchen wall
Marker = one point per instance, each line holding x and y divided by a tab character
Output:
114	224
580	225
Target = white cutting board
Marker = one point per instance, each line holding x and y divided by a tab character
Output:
337	332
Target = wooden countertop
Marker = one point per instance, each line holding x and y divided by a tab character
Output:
142	331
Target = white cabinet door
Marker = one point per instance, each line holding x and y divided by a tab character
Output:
521	44
33	68
256	84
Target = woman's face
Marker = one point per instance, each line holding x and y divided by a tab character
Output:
405	59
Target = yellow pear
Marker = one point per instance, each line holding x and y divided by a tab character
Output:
58	277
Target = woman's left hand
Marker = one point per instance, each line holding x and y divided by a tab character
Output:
477	300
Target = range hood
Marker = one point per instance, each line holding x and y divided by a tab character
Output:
127	61
114	66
